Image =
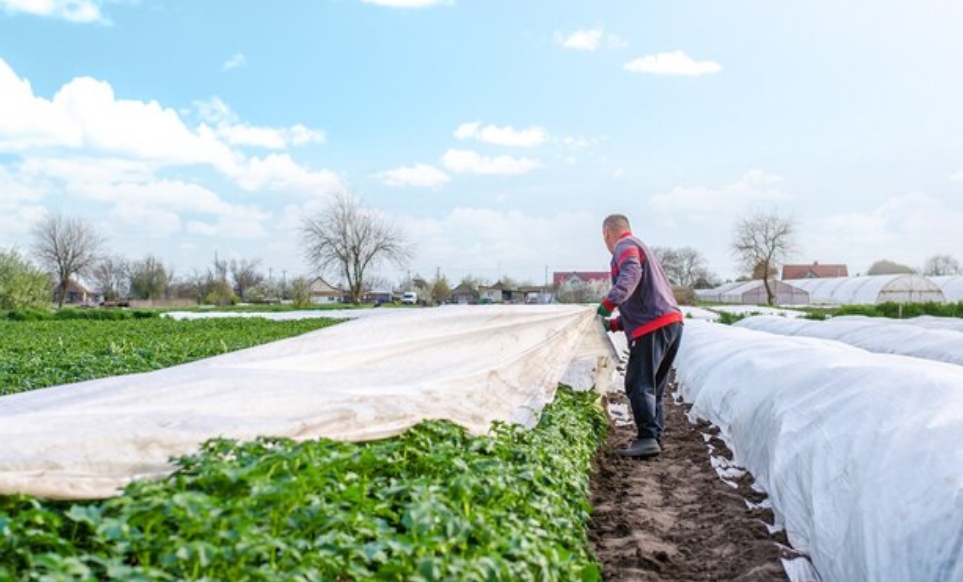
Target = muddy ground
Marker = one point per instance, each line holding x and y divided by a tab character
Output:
672	518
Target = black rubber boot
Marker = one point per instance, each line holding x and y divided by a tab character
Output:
642	448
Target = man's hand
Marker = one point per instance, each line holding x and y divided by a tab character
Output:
605	308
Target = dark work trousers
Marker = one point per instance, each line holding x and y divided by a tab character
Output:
647	373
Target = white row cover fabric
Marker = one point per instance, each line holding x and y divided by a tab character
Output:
933	322
365	379
870	290
859	452
874	334
293	315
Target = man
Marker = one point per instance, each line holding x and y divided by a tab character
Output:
652	322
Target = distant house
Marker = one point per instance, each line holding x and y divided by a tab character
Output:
535	294
813	271
323	293
498	293
464	295
76	294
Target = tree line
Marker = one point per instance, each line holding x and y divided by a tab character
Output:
348	242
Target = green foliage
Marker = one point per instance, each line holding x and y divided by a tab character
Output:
903	310
300	292
22	285
48	351
431	504
220	293
729	318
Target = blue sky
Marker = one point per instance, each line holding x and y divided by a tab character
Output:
498	133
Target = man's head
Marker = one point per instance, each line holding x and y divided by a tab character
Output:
613	227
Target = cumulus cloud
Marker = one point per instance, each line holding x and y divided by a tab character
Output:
421	175
81	11
408	3
672	63
957	177
278	172
234	62
864	237
488	243
469	162
228	127
86	118
754	188
85	114
589	39
504	136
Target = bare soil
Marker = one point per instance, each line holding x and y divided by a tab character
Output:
672	518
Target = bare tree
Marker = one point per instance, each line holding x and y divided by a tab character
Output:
66	247
246	275
886	267
683	266
111	275
148	278
940	265
350	239
761	243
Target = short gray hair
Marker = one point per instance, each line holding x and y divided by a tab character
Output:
616	223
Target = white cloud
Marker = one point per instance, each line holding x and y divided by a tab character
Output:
408	3
673	63
466	161
27	121
85	114
754	188
860	238
489	243
145	220
234	62
21	204
586	39
505	136
589	39
83	11
228	127
278	172
421	175
957	177
86	118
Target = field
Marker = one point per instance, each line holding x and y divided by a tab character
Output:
35	354
431	504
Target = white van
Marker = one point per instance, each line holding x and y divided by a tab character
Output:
410	298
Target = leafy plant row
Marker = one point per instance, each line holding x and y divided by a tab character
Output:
432	504
36	354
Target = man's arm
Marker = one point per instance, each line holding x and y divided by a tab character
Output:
629	265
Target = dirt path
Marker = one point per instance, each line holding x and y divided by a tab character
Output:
672	518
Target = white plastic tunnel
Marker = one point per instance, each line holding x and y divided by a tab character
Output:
871	290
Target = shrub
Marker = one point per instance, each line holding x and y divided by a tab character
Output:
21	284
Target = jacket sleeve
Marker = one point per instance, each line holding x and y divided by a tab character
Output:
628	264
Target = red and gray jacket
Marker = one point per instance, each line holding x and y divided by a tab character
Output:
640	290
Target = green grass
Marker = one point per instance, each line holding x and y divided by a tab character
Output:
46	352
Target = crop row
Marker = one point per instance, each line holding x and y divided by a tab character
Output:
432	504
36	354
